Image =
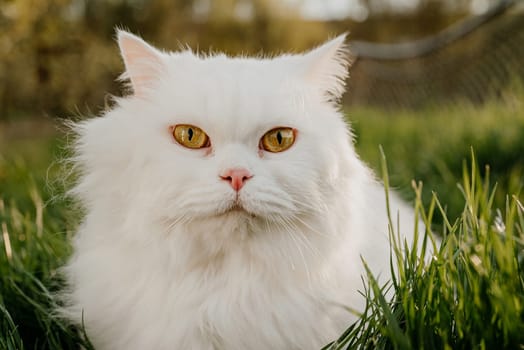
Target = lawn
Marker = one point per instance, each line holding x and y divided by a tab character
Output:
471	295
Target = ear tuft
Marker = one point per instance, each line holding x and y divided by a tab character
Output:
144	64
328	65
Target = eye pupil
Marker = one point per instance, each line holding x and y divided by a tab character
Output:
190	133
279	138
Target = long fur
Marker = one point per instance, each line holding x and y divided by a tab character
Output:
161	263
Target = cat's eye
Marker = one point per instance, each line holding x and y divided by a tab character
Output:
278	139
190	136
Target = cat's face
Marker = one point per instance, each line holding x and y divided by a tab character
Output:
217	137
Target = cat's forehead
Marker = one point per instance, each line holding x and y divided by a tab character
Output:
233	95
223	65
244	76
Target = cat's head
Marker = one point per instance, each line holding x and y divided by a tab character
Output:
209	137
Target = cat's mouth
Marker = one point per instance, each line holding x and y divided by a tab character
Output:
237	208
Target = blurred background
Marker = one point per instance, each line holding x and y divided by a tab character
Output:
430	78
58	57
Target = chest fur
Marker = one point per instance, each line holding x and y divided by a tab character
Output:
233	307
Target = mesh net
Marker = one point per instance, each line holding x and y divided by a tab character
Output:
475	67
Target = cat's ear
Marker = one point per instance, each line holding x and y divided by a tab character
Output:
327	67
144	64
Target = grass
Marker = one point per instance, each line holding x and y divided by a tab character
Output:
431	145
469	295
35	231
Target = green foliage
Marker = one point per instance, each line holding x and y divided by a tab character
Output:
469	294
34	242
430	146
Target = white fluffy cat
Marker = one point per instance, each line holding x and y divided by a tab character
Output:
225	205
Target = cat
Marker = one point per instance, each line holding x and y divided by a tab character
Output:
225	205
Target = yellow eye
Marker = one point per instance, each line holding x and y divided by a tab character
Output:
190	136
278	139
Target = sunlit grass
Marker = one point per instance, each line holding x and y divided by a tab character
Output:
430	145
468	295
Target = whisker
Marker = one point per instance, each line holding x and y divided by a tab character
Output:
320	208
294	238
304	239
308	226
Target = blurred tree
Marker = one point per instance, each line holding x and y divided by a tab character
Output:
31	32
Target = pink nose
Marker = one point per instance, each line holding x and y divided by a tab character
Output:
236	177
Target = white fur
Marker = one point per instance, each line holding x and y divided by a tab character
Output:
160	263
